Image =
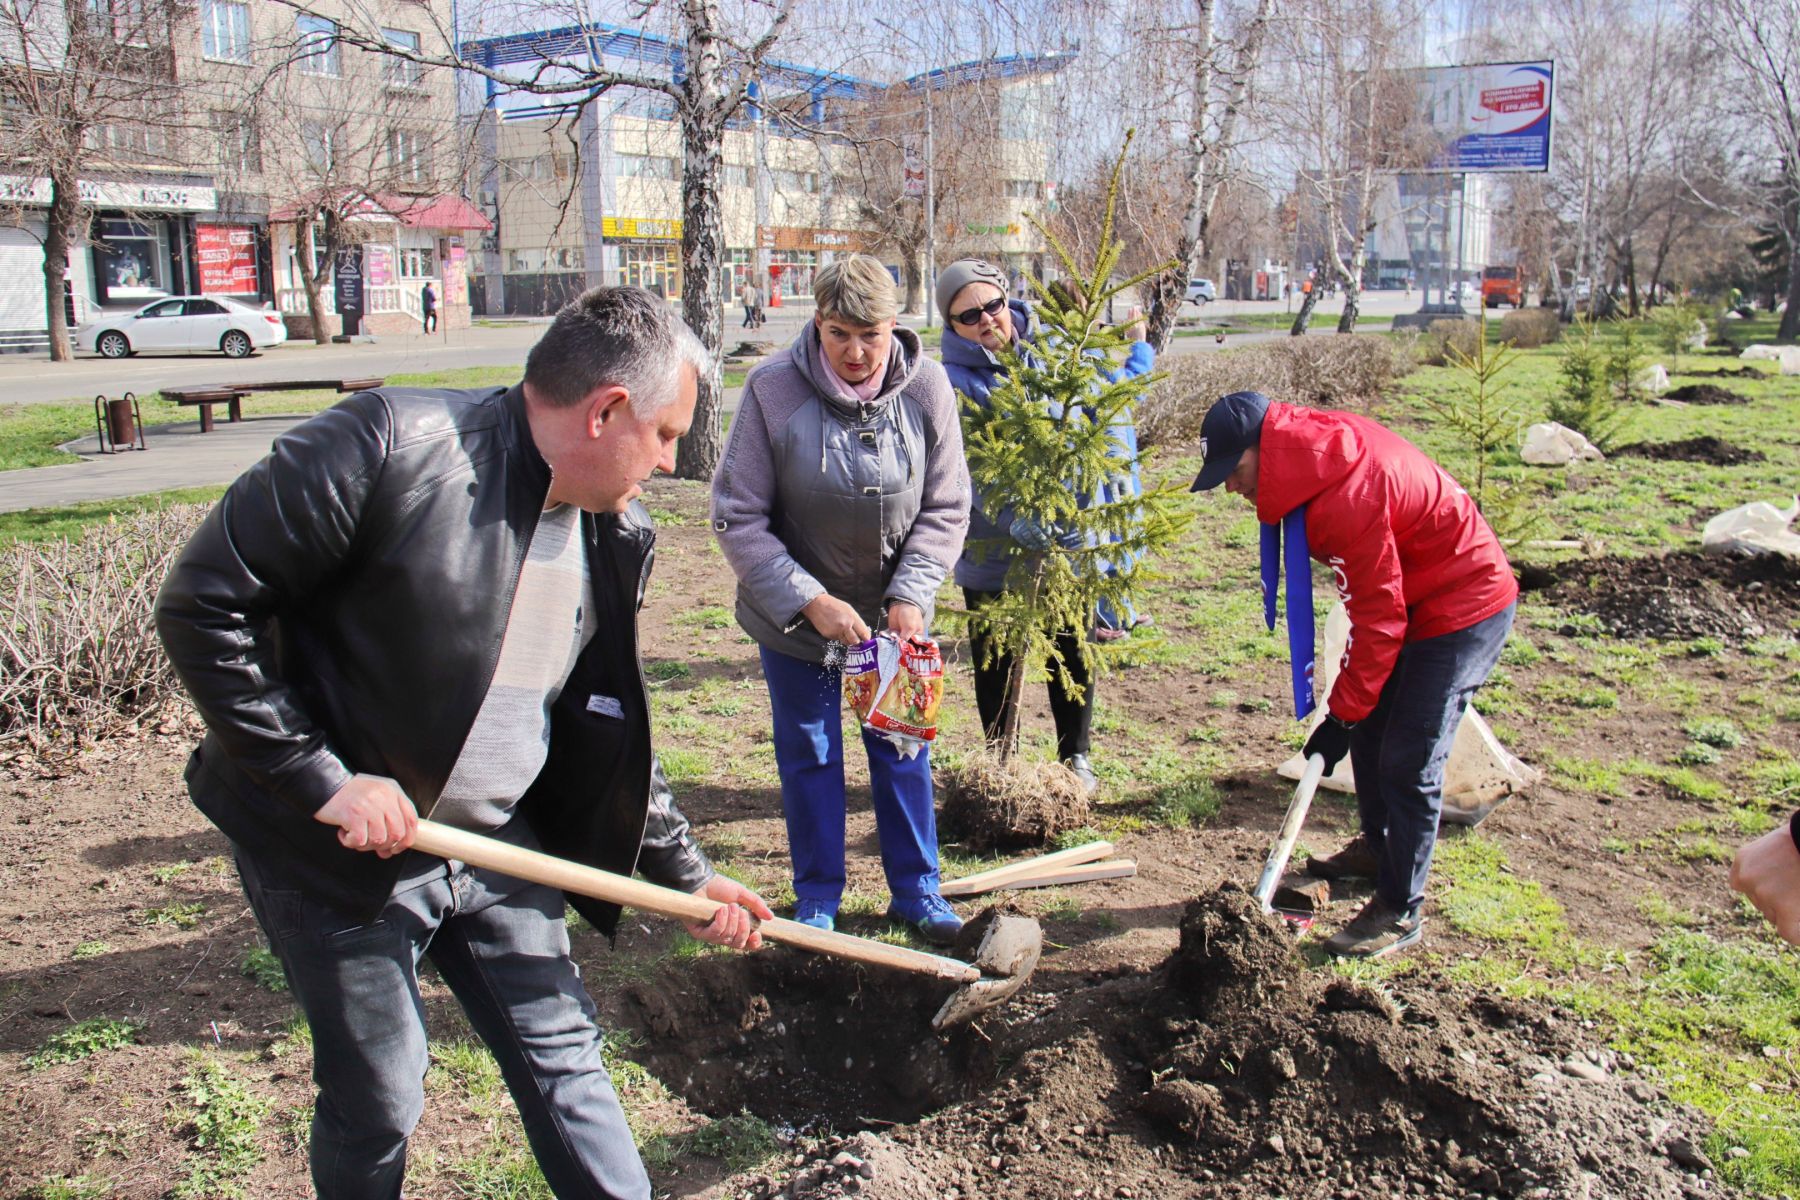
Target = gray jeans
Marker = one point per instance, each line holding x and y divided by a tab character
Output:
503	949
1398	751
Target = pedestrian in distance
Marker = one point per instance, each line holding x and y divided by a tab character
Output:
1430	598
752	304
428	308
979	324
841	501
424	601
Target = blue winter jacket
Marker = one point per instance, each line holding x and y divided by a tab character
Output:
974	371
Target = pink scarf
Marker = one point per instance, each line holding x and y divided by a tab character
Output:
856	393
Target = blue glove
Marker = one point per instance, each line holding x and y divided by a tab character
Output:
1029	534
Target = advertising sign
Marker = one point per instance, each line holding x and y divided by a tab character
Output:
456	280
227	256
641	229
912	169
1490	116
348	282
378	264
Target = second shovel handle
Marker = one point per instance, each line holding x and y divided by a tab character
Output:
1290	829
447	842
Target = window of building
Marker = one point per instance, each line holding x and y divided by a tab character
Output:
738	175
409	158
125	21
320	52
418	262
240	146
648	166
795	181
1024	189
225	30
513	170
134	143
133	258
400	72
316	146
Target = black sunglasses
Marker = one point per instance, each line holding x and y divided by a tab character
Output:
970	316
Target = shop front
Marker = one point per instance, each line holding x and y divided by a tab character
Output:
644	252
797	252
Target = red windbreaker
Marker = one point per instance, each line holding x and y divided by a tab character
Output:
1412	556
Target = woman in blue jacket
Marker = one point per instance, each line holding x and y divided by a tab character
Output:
979	323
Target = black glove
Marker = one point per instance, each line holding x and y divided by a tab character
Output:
1331	740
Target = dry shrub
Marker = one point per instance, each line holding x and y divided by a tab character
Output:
1529	327
989	805
1443	337
79	656
1330	371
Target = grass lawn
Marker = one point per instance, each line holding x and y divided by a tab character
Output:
31	433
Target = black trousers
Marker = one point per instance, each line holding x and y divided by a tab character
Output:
1074	718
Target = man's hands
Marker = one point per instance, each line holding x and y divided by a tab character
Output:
732	925
1331	740
1768	872
835	620
904	620
1029	534
371	813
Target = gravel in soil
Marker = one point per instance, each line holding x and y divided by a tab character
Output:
1707	449
1232	1071
1680	596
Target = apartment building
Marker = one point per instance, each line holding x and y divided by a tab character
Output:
583	197
204	168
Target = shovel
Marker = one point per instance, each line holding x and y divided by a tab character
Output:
1004	960
1290	833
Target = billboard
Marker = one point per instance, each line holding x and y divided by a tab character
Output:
227	255
1490	116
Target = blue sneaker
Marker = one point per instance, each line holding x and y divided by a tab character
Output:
820	914
931	915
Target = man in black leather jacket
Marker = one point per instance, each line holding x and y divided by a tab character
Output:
426	601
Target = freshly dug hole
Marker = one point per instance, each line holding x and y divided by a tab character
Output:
1235	1072
1709	393
1707	449
993	806
1682	595
803	1040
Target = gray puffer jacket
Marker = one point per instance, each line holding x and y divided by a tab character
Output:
816	493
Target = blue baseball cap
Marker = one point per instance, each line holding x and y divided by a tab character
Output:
1232	426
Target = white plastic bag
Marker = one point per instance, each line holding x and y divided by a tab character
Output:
1787	356
1548	444
1755	528
1480	775
1653	378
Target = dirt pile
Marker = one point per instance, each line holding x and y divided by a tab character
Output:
1682	595
1233	1071
1708	393
1707	449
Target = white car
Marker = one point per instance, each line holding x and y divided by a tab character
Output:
183	323
1200	291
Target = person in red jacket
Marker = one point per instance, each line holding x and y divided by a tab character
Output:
1430	597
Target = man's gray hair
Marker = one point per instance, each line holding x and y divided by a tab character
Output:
615	337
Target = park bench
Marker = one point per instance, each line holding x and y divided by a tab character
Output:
232	394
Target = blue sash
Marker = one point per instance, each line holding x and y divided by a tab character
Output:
1299	600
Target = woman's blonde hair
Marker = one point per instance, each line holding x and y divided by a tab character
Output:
856	288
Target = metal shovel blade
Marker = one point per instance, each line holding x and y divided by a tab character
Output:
1006	957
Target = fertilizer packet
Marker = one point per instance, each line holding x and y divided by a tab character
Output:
895	688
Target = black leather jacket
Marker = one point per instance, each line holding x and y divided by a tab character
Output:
341	611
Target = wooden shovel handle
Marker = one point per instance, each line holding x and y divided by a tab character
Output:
1044	864
530	865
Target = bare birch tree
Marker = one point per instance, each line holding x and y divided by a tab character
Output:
717	62
84	87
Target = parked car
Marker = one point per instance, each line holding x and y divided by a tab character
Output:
1200	291
183	323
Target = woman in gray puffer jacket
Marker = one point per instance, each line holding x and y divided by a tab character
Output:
841	502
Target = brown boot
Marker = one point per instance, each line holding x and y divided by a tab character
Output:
1355	861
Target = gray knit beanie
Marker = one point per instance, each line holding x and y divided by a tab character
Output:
959	275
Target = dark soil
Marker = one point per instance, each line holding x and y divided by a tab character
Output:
1707	449
1730	372
1682	595
1709	393
990	806
1232	1071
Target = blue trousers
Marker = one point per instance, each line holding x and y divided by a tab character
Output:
806	702
503	949
1399	750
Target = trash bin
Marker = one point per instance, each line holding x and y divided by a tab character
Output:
120	426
